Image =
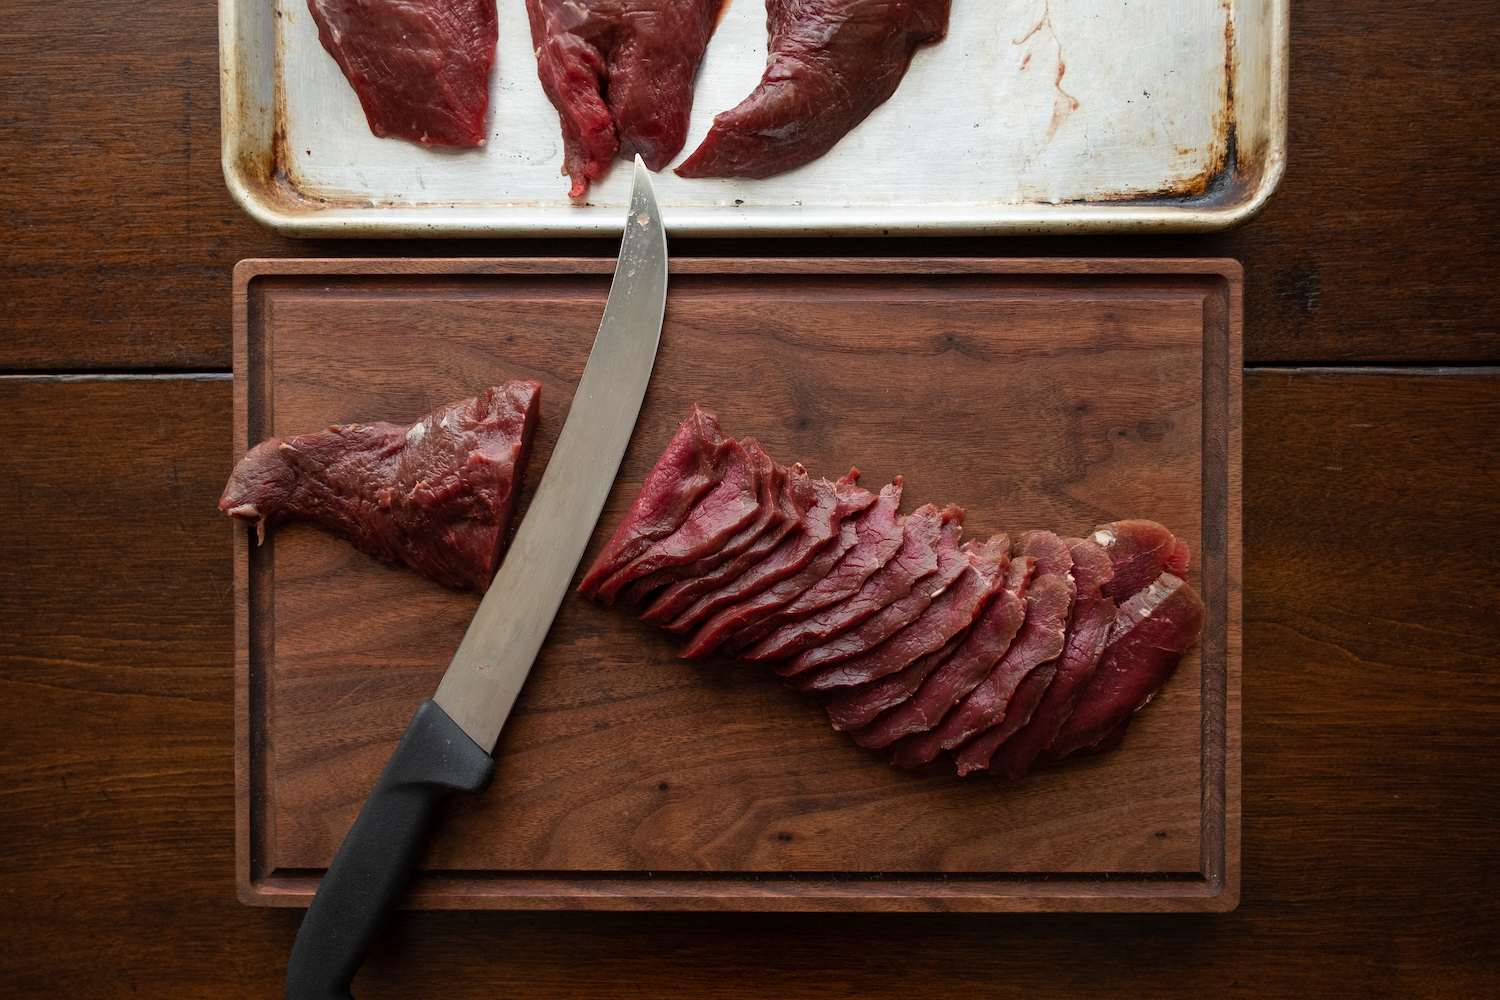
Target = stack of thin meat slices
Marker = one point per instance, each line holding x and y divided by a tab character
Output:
1003	652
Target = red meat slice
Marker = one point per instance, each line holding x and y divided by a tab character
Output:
1093	615
1138	551
436	495
421	68
981	569
880	626
916	557
792	501
770	480
692	464
856	707
987	641
879	536
831	503
1152	631
1048	604
717	515
830	63
620	73
752	609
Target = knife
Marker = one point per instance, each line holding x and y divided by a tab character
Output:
447	746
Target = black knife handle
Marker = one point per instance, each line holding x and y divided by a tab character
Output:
372	867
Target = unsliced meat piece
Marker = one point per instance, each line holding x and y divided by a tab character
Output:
1048	604
1088	630
1152	631
421	68
916	557
620	73
436	495
713	519
770	480
830	63
831	503
986	642
795	496
809	670
879	536
692	464
762	603
981	572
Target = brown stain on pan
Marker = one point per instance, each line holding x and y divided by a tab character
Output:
1221	182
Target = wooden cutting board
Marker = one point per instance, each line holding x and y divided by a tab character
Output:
1055	394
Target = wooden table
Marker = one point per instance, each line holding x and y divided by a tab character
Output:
1372	547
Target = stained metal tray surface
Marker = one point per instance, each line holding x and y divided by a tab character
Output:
1040	116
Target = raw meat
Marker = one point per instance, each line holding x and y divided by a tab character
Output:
853	708
822	521
830	63
1088	630
879	536
718	514
754	608
421	68
987	641
980	569
1139	551
880	626
693	464
770	481
1048	604
436	495
1152	630
919	644
620	73
916	558
792	501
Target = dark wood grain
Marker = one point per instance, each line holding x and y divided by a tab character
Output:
1369	779
621	759
1371	632
1377	247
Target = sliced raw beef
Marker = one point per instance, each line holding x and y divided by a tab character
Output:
436	495
770	480
879	536
916	557
1049	600
856	707
987	641
1152	630
718	514
822	521
793	501
1139	551
830	63
919	644
1088	629
620	73
692	464
421	68
752	609
981	568
809	670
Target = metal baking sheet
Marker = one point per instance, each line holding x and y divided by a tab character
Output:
1037	116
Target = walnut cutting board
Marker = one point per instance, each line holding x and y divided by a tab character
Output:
1054	394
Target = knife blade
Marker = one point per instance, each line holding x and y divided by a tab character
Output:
447	746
